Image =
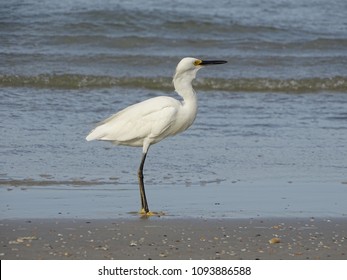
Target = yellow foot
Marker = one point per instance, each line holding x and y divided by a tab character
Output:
143	213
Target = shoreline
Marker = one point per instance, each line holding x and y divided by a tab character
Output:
159	239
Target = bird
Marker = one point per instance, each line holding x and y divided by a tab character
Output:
150	121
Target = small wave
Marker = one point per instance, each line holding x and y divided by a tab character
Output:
337	84
71	81
47	183
67	81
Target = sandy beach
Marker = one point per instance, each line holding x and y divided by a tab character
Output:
164	238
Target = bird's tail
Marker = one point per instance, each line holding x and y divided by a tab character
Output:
96	134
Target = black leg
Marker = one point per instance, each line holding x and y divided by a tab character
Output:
144	203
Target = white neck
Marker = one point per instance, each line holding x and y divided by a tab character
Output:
183	85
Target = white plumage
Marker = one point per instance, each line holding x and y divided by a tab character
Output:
152	120
146	122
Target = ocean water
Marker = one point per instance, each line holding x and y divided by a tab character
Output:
269	138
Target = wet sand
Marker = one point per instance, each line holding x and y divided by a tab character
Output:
163	238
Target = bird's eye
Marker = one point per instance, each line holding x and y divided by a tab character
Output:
197	62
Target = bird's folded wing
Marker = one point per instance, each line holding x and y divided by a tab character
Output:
150	118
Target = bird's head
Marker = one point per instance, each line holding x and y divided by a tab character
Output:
188	67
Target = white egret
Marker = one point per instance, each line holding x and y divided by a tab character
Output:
152	120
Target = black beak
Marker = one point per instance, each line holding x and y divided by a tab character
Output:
212	62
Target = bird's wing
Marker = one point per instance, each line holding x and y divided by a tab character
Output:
150	118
